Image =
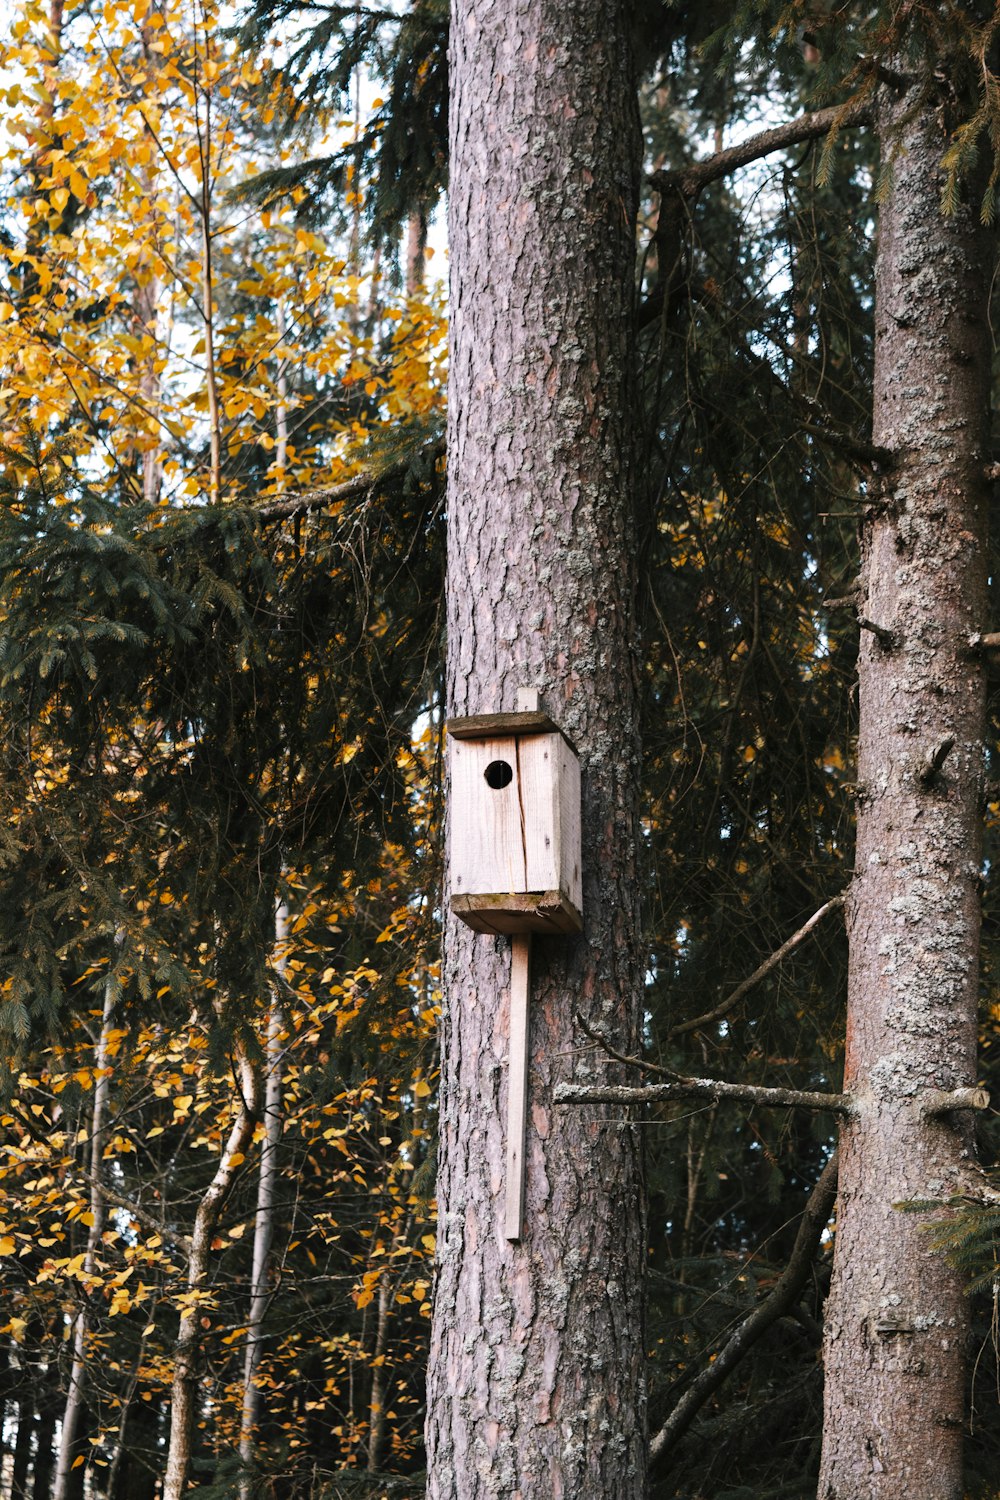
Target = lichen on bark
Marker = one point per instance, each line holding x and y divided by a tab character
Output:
895	1346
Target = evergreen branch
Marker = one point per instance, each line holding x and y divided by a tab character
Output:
714	1089
733	999
689	181
779	1301
814	422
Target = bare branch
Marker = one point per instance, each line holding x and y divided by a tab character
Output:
935	759
690	181
868	455
351	489
622	1057
700	1088
775	1305
885	638
734	998
943	1101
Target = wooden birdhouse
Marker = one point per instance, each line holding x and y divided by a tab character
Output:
515	823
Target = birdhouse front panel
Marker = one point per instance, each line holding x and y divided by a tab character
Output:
515	829
488	850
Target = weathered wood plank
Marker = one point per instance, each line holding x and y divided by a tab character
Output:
487	726
536	911
517	1082
487	840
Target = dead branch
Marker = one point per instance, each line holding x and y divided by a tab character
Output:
775	1305
714	1089
942	1101
934	760
868	455
885	638
736	995
690	180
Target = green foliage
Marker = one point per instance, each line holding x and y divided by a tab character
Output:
402	150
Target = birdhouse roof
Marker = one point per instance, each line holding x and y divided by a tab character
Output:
495	726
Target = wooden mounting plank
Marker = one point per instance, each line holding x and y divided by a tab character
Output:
517	1083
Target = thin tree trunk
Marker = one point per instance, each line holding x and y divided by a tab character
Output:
535	1381
376	1424
267	1181
416	252
78	1369
281	410
22	1448
47	1401
897	1321
388	1287
184	1388
147	306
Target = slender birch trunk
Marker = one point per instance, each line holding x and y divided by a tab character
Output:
184	1388
281	410
535	1383
376	1408
75	1395
267	1182
897	1321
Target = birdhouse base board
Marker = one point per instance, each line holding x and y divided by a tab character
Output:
505	913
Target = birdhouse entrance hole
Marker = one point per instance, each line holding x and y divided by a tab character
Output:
499	774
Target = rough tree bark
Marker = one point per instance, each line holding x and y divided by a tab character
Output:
535	1385
896	1321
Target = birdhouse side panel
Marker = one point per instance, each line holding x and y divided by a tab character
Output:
487	845
539	767
570	815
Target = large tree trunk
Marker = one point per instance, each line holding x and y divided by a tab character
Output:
535	1385
897	1321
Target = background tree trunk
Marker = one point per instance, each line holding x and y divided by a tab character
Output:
75	1396
267	1184
187	1349
897	1315
536	1369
